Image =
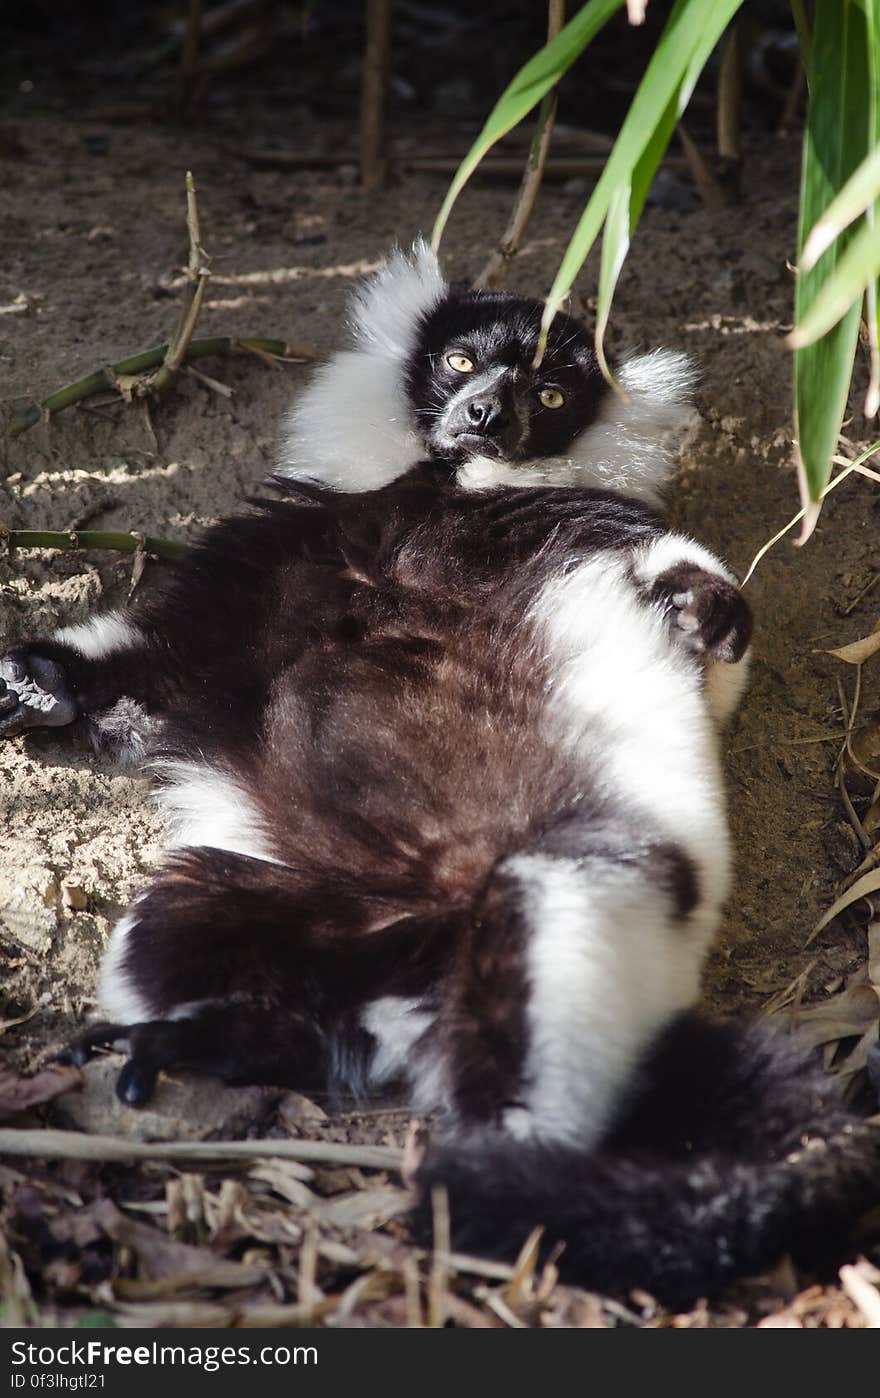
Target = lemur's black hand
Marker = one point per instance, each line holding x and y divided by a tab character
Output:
33	693
708	614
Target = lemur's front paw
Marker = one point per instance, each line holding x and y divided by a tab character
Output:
708	613
33	693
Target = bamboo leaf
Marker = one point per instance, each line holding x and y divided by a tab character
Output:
872	216
840	120
628	199
859	192
856	270
691	33
532	82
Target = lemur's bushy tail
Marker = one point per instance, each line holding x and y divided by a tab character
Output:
734	1151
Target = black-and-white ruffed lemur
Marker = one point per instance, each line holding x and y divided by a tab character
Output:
435	729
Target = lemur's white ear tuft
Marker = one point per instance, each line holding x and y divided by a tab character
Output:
629	448
386	310
352	428
661	385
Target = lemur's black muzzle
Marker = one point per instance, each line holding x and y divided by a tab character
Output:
488	421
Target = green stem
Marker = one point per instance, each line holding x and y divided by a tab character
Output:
90	539
104	379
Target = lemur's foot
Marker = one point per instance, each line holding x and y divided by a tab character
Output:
151	1047
101	1035
33	693
708	613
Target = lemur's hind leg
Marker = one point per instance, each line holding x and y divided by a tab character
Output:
100	670
582	947
234	1042
245	969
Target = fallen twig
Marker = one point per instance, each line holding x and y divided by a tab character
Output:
495	272
438	1281
77	1145
197	275
70	539
113	377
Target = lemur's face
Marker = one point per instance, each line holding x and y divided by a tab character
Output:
474	390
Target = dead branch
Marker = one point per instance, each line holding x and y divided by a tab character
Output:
499	166
116	376
374	92
496	269
708	187
197	275
77	1145
729	89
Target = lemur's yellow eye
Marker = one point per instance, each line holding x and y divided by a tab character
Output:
551	397
460	363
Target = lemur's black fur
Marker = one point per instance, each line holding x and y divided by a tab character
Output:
440	765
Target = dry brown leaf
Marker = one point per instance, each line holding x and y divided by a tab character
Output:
859	1283
867	884
865	744
857	1058
162	1258
521	1285
17	1093
365	1208
218	1275
857	652
286	1182
842	1016
261	1223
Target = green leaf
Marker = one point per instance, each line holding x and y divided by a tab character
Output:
859	192
691	32
532	82
857	268
872	215
840	118
628	199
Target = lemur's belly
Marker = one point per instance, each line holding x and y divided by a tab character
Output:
417	762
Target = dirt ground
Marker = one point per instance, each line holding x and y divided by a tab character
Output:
92	230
